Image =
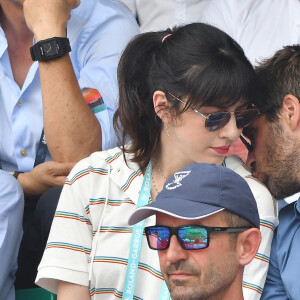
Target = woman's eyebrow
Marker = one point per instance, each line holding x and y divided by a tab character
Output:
243	105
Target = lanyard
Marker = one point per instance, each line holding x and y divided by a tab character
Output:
41	151
164	293
136	242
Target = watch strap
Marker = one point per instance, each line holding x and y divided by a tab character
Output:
62	48
16	174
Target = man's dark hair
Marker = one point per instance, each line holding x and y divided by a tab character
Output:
279	76
234	220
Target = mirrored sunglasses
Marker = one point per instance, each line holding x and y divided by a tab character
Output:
191	237
219	120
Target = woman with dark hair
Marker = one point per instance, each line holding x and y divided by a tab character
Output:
184	97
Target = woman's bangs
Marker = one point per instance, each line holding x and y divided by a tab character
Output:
221	86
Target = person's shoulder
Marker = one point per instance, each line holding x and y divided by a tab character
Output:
100	11
100	160
289	224
266	203
98	164
113	157
290	211
109	21
236	164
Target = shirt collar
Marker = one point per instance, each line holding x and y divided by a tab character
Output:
297	208
3	42
128	178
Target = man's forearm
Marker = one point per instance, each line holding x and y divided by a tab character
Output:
72	131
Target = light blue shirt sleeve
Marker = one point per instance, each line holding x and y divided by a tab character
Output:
99	32
282	281
11	215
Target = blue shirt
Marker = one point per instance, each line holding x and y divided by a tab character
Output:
11	215
98	31
283	279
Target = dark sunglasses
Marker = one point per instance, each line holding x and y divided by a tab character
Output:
191	237
219	120
249	147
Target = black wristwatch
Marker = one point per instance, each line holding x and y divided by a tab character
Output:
50	48
16	174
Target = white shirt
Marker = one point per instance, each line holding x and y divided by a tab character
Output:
261	27
155	15
103	185
100	185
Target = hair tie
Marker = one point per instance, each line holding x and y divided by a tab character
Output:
163	39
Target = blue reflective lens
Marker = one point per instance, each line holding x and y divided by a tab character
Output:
189	237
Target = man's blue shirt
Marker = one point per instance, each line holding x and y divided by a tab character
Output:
283	279
11	215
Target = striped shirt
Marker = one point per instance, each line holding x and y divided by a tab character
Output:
98	197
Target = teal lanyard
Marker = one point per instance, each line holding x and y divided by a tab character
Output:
136	243
164	293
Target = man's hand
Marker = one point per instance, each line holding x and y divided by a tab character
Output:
48	18
44	176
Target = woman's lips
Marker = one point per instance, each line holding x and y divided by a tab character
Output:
221	150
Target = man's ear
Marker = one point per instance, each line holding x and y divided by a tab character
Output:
161	106
290	109
247	245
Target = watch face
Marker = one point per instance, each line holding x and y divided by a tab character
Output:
50	48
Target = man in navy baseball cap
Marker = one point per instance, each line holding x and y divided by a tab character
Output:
207	230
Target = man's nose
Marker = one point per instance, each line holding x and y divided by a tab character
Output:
175	251
251	162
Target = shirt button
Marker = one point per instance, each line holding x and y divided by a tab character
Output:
20	103
23	152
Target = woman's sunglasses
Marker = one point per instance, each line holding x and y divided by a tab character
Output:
191	237
218	120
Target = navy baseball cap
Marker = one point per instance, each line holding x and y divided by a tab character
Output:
200	190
